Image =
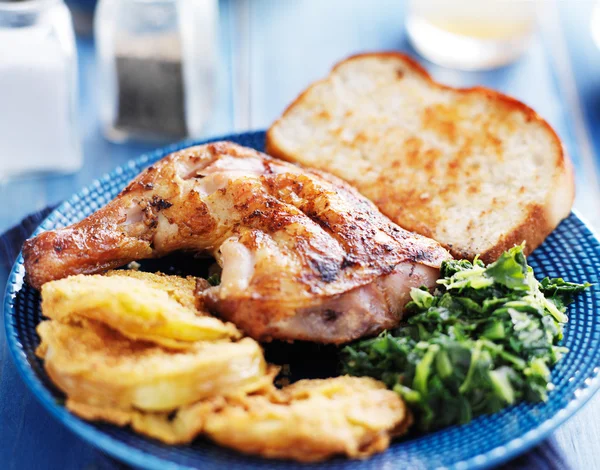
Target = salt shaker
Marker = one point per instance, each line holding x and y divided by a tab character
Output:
38	89
156	60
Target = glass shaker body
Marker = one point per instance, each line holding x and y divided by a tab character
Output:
38	89
156	62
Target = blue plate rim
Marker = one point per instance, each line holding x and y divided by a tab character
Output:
140	459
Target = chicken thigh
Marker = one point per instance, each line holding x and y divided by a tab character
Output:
303	255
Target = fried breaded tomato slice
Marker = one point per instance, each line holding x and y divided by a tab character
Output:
182	289
308	421
141	306
180	427
311	420
97	365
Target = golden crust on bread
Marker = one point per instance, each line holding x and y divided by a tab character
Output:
472	168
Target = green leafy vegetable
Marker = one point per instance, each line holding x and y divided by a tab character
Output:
214	279
485	339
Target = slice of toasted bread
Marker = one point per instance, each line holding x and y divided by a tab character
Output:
474	169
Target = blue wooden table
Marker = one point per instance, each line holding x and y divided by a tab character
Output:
270	50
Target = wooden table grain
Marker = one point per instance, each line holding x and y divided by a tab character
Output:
269	51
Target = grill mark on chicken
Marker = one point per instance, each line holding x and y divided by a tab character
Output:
198	220
328	269
159	203
304	256
58	247
330	315
348	262
312	200
291	191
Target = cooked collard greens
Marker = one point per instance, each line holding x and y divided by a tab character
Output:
486	338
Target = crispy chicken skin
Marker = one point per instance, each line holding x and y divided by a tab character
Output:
304	255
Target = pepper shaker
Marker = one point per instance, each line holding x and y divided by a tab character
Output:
156	60
38	89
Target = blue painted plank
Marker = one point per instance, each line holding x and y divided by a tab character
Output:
295	43
560	33
576	67
584	53
30	437
19	198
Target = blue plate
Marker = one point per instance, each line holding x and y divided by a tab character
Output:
572	252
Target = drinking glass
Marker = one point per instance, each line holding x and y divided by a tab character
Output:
471	34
